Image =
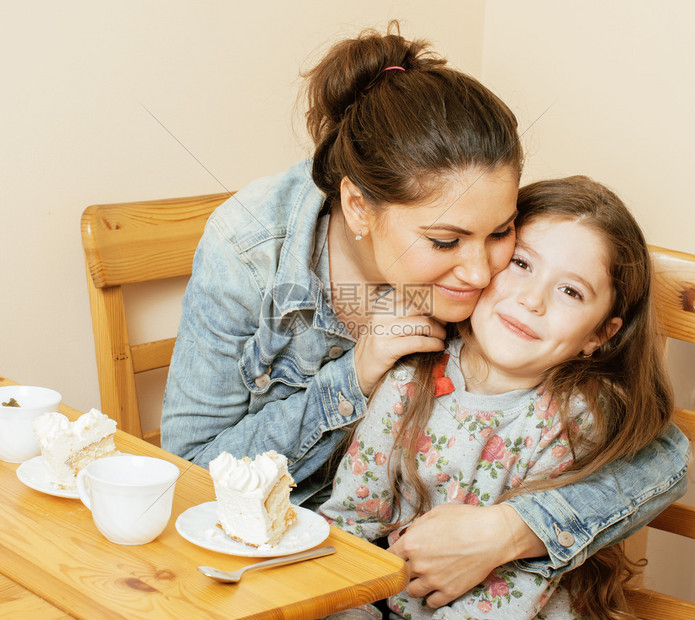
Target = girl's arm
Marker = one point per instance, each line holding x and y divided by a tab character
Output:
564	525
207	400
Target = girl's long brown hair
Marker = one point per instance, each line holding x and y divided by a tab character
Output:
624	382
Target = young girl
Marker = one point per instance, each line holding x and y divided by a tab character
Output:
557	372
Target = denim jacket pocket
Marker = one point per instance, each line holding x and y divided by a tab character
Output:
261	374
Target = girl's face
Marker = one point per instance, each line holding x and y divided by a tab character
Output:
440	253
550	304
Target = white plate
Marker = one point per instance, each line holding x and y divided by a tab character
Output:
198	525
33	473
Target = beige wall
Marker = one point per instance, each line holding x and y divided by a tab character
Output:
604	89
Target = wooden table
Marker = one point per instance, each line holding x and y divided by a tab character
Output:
55	564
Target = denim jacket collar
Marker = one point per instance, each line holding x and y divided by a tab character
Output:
295	268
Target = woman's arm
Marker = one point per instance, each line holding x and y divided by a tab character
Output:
209	407
606	507
563	525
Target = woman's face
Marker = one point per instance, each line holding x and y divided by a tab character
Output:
549	305
441	252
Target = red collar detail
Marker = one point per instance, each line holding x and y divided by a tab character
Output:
443	385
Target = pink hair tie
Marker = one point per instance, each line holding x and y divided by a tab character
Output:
394	68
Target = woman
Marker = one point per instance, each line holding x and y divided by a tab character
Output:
309	285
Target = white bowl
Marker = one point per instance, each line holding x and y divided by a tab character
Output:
18	443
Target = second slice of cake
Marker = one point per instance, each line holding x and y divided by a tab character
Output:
253	497
67	447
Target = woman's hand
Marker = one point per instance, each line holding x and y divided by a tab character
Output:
454	547
387	337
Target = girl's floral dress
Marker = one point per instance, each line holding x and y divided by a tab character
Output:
474	448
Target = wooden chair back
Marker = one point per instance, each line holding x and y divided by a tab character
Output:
674	274
124	244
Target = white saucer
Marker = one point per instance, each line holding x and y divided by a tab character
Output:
198	525
33	473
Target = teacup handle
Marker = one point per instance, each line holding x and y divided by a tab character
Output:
82	488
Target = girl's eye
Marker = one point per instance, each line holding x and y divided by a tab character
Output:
521	263
572	292
438	244
504	234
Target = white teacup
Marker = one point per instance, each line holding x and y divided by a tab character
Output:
18	442
130	496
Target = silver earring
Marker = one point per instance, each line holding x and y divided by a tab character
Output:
358	236
585	355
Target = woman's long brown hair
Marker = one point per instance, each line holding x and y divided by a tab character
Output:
624	382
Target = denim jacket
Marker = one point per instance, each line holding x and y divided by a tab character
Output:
262	362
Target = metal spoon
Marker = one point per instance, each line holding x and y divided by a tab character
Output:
234	576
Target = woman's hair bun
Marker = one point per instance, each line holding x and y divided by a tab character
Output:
352	66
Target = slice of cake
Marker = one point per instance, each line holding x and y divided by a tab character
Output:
253	497
67	447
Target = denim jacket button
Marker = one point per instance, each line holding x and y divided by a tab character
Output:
262	381
345	408
565	538
335	352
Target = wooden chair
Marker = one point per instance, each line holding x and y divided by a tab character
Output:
123	244
674	274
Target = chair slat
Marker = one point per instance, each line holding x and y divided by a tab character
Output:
657	606
152	355
144	241
677	519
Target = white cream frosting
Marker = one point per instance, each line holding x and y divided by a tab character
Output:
60	440
247	476
49	424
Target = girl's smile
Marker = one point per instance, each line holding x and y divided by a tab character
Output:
518	328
